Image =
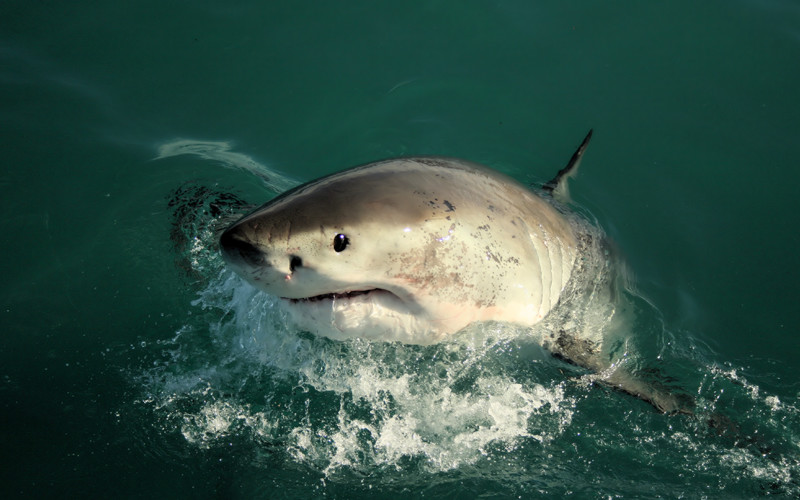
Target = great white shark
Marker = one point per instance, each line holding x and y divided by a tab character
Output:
417	249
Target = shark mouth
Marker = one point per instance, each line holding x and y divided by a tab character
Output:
338	295
366	313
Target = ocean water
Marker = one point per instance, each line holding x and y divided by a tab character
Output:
134	364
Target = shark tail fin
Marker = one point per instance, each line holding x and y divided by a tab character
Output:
557	186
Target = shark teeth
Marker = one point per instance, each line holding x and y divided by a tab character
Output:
333	296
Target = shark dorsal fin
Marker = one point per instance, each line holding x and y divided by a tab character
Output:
557	186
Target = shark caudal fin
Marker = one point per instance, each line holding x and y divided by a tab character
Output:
557	186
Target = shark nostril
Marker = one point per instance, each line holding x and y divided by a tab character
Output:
295	262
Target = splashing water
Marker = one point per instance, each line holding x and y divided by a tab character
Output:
350	404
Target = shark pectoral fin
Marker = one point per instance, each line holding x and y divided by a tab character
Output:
654	392
557	186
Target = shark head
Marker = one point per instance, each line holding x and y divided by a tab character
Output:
409	250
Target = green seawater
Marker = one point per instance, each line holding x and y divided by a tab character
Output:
134	364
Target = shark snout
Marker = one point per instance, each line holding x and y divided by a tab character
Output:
239	252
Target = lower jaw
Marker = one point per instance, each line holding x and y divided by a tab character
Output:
378	316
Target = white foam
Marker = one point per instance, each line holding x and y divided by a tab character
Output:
444	406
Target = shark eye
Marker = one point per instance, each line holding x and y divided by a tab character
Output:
340	242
